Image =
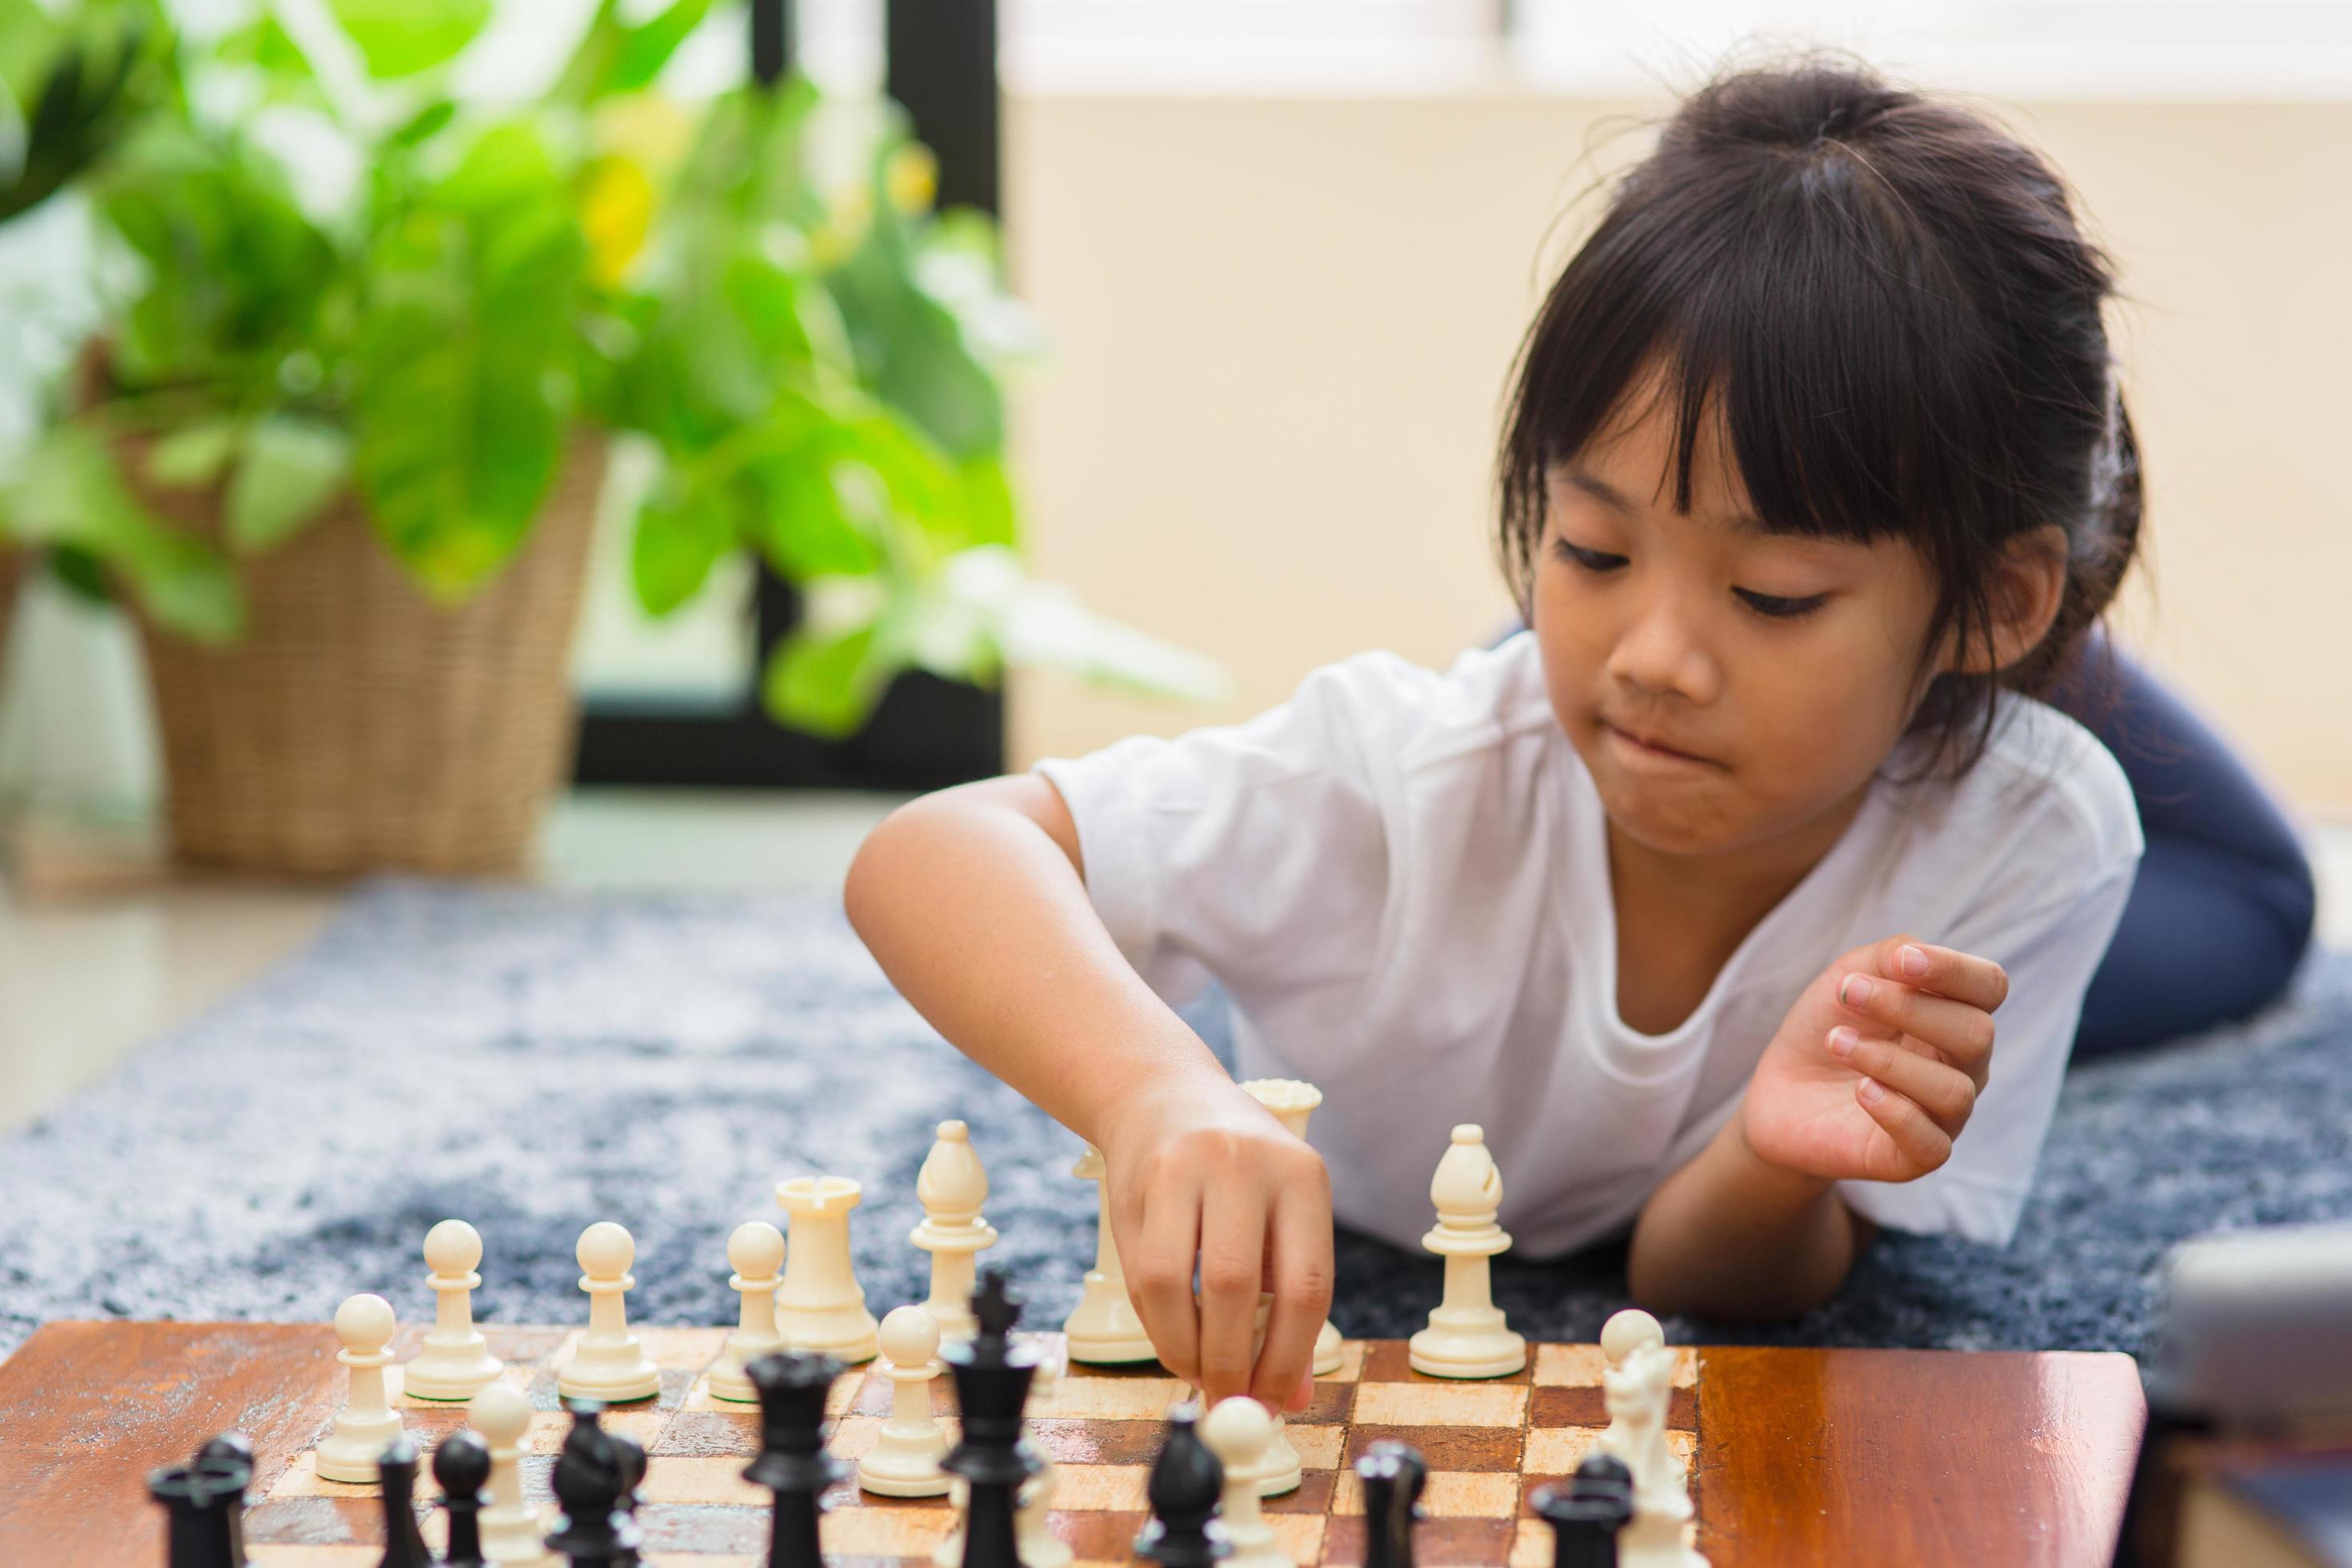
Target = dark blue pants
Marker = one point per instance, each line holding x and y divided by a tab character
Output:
2222	913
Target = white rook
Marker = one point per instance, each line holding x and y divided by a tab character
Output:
821	1307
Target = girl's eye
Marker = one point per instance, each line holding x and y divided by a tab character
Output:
1591	560
1781	609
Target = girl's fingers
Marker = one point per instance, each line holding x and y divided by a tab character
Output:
1300	1237
1963	1032
1160	1277
1233	1252
1946	971
1922	1144
1945	1093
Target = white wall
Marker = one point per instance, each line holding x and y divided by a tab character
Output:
1283	328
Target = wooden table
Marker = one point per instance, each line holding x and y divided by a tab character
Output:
1805	1457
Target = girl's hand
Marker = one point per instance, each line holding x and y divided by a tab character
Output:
1200	1170
1876	1069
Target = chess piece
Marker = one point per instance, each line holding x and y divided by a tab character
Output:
231	1450
513	1535
367	1421
951	1188
609	1365
590	1481
1466	1336
905	1458
820	1308
1275	1468
991	1380
1625	1332
454	1361
404	1546
630	1454
462	1467
202	1501
1586	1515
792	1462
756	1251
1392	1477
1292	1101
1635	1393
1032	1531
1186	1483
1103	1329
1234	1430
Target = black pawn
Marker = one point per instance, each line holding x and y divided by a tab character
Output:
1586	1515
1392	1476
792	1462
202	1500
232	1450
403	1546
992	1379
588	1487
631	1453
1186	1483
462	1465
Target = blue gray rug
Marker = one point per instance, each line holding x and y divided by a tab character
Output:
533	1061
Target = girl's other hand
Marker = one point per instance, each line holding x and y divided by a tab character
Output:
1203	1172
1878	1066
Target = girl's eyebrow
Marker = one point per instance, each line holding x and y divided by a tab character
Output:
1740	522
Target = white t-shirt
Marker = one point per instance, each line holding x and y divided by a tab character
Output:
1401	878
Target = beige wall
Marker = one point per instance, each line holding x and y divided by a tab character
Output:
1282	329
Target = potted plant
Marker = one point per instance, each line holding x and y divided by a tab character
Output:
343	435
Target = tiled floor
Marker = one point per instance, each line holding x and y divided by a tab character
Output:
83	982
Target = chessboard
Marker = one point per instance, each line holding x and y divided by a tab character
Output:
1798	1457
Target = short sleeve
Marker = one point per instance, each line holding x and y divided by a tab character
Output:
1257	853
2049	956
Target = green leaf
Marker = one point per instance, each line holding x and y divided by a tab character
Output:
682	531
828	683
292	468
194	455
988	505
400	37
806	525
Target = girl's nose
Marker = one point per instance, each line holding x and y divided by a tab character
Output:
1662	652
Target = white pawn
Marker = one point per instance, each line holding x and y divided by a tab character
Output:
1625	1332
1236	1429
455	1361
821	1307
756	1251
1293	1100
1466	1336
367	1421
512	1532
1103	1329
609	1364
905	1458
952	1186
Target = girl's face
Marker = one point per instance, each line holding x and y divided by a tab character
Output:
1725	686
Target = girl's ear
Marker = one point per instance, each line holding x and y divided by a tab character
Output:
2029	584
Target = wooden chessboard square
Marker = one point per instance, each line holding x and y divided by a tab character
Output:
1389	1361
1329	1403
1436	1543
1431	1402
1450	1494
680	1478
1445	1447
1101	1488
517	1376
682	1349
709	1433
1580	1366
1318	1448
301	1556
1556	1451
1587	1407
1091	1398
1067	1441
1351	1363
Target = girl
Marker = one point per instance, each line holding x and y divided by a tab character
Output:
1703	893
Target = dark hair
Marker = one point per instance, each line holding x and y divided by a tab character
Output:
1889	301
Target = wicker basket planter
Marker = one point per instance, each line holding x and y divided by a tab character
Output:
360	727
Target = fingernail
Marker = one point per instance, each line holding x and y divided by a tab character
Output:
1842	1040
1853	990
1915	963
1871	1092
